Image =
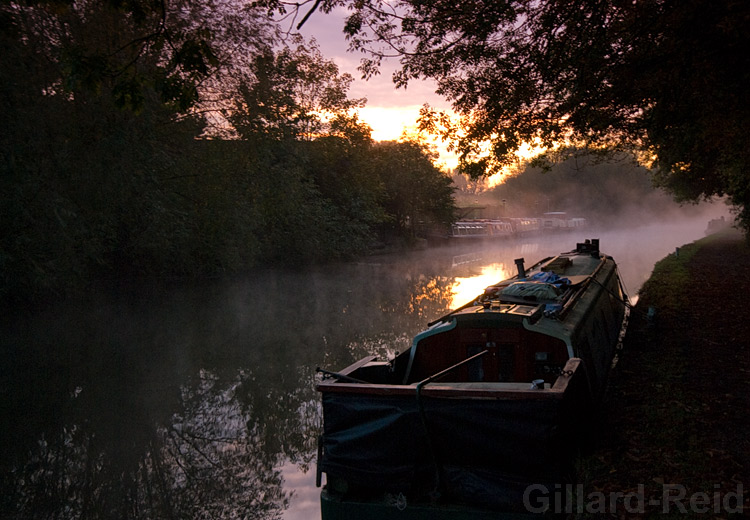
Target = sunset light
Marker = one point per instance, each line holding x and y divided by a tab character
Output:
393	123
524	154
466	289
389	123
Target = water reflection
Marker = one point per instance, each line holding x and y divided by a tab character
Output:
119	446
467	288
191	402
205	461
200	401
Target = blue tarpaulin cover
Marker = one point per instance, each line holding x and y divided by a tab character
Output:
549	277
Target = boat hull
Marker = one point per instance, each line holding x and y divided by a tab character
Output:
477	444
334	507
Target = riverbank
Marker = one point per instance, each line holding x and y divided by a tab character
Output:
676	411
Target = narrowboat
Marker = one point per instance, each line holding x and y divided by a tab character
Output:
481	229
490	403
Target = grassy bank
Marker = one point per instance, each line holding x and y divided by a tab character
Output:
674	436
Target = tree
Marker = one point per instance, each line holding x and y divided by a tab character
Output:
292	106
289	94
416	194
666	78
340	164
116	45
98	102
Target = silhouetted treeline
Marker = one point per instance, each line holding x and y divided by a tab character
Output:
610	193
129	204
185	140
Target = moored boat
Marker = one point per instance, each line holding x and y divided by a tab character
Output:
489	401
482	229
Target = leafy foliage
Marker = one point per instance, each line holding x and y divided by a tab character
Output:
667	79
112	162
415	193
288	93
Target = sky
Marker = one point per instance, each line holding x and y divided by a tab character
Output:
389	111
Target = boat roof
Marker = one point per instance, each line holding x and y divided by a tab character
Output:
541	299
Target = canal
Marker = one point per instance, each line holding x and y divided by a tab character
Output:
199	401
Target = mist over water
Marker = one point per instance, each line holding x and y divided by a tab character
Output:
200	400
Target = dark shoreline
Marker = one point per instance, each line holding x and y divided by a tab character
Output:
675	415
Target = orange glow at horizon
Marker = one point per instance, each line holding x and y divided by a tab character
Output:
393	123
524	154
389	123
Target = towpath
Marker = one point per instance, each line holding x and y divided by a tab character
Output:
677	415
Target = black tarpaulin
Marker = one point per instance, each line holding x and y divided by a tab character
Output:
483	449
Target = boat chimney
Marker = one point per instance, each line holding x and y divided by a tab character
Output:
520	267
590	246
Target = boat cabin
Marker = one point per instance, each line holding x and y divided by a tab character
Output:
521	330
511	353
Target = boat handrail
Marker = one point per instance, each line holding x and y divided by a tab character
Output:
447	370
582	287
498	390
423	415
339	376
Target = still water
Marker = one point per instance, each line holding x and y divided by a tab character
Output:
199	402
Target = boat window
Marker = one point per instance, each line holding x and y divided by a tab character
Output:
475	368
505	362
